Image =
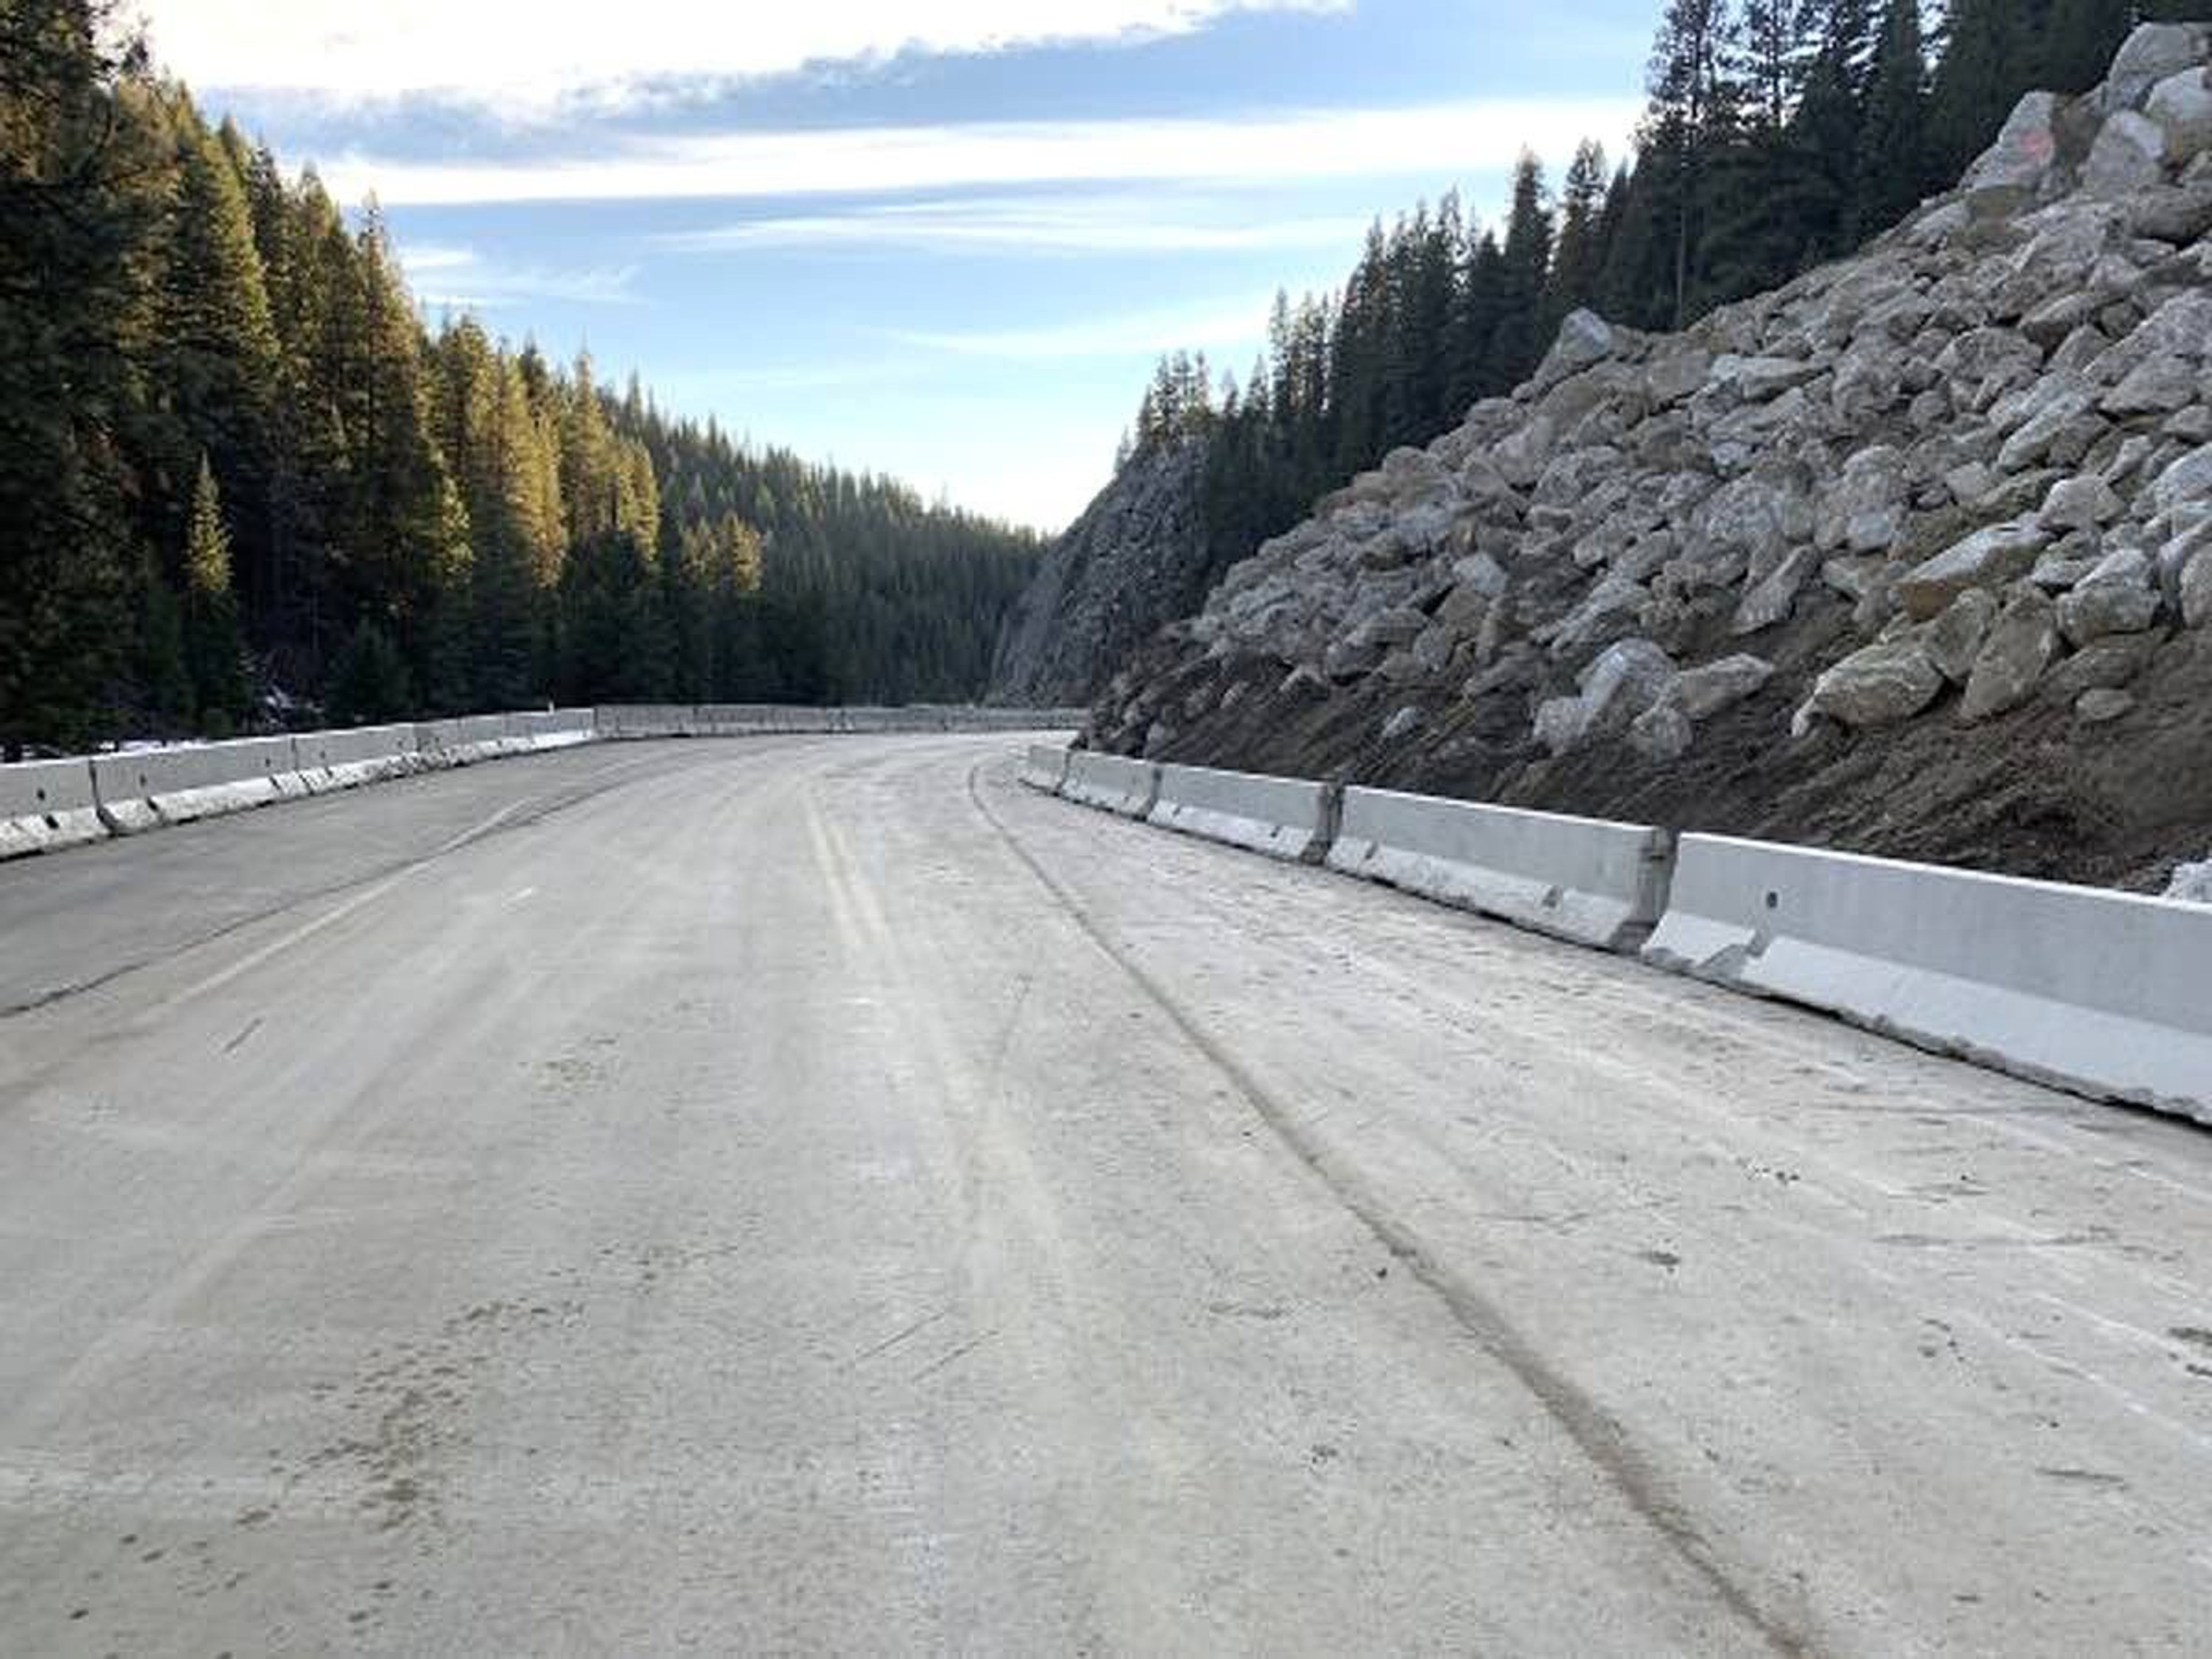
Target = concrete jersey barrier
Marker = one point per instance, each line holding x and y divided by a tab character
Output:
143	788
45	805
1126	787
465	742
1283	817
2106	993
555	728
345	759
1044	766
1581	879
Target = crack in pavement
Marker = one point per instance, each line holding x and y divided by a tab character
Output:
1594	1431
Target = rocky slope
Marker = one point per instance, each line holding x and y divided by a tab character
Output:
1913	556
1122	569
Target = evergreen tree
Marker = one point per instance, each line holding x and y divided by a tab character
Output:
1681	126
215	654
1989	60
369	684
2080	38
1520	339
72	215
1893	170
1579	261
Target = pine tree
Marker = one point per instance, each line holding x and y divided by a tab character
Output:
369	684
71	217
2079	38
1893	169
215	654
1990	58
1520	340
1680	127
1579	261
216	352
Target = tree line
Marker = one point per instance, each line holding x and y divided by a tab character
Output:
239	473
1778	134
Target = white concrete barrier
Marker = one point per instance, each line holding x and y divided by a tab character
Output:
1283	817
144	788
2106	993
45	805
1044	766
1581	879
464	742
324	761
647	720
1128	787
555	728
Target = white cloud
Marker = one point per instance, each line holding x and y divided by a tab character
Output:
528	56
462	279
1213	328
1299	145
1034	226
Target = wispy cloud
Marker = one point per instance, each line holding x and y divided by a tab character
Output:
463	279
1220	326
523	57
1040	227
1297	145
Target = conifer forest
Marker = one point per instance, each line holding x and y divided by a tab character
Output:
239	472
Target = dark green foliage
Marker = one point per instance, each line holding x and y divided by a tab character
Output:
225	439
68	287
214	652
370	682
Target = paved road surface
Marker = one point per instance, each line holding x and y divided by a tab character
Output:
813	1195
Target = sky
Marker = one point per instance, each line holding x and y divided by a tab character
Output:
942	241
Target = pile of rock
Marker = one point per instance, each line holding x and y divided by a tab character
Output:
1978	454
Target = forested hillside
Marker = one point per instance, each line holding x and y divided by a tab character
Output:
1779	134
236	468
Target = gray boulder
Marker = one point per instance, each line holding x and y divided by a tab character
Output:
2020	165
1661	734
2080	503
2117	597
1887	681
2152	54
1988	558
1702	692
1954	639
2196	592
2101	708
2181	105
2130	154
2022	644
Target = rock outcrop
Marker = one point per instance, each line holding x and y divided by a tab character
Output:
1914	554
1131	563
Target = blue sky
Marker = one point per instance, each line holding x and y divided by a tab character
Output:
942	241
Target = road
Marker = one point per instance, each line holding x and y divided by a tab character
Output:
814	1195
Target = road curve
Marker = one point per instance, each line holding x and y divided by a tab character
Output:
814	1195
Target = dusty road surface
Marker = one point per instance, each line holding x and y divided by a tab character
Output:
814	1197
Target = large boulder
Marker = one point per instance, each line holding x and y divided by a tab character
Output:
2130	154
2153	53
1954	639
2116	596
2196	592
1702	692
1988	558
2022	644
1890	681
2181	105
2020	165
